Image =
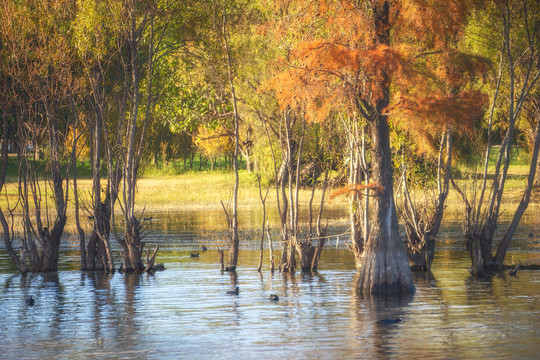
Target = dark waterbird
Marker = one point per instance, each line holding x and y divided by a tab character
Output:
389	321
204	248
514	271
233	292
30	300
274	297
194	255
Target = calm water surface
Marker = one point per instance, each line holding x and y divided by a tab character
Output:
183	312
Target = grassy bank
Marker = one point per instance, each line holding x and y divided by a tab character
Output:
158	190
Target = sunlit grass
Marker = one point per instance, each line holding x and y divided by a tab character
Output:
158	192
205	190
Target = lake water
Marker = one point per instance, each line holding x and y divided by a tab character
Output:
184	311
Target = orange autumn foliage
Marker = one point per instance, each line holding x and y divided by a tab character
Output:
333	60
357	189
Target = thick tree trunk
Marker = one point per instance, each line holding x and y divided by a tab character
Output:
306	252
98	254
50	250
422	260
98	249
384	267
132	249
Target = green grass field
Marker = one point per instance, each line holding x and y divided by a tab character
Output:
159	190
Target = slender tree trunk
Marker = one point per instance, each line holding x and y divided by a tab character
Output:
263	233
80	230
50	238
482	219
233	249
321	232
537	176
422	226
505	242
136	134
355	221
8	241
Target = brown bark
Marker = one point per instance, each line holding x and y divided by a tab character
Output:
141	25
537	176
309	251
233	251
505	242
422	221
321	232
221	263
522	75
384	267
358	210
98	253
8	240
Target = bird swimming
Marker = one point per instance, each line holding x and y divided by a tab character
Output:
233	292
389	321
194	254
274	297
30	300
514	271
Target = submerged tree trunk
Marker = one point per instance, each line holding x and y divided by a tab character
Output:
19	263
505	242
310	249
384	267
80	230
263	232
98	253
321	232
233	216
423	221
142	22
40	244
519	61
358	208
